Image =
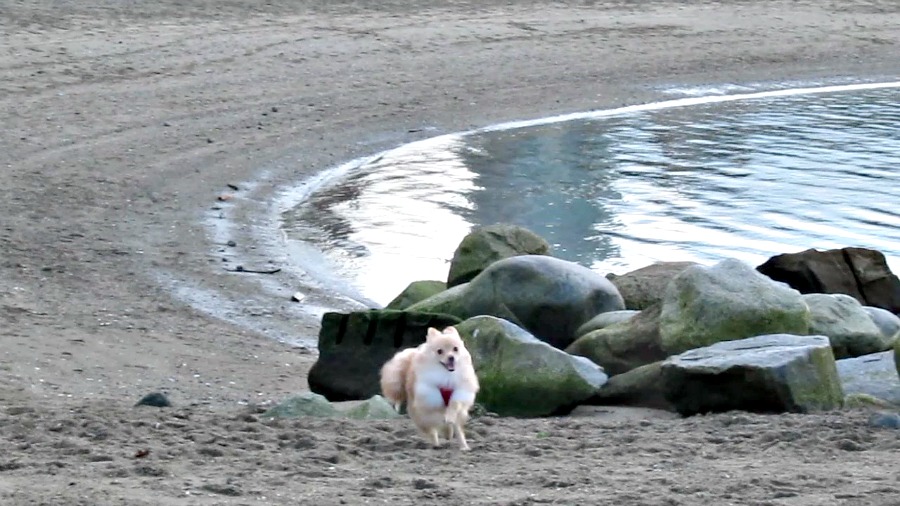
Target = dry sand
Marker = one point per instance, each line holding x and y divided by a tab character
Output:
124	121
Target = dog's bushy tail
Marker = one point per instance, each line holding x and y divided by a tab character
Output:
393	377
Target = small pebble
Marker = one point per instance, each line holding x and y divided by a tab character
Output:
156	399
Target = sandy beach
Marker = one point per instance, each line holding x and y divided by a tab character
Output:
139	138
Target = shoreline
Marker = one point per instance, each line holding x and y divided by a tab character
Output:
331	269
125	124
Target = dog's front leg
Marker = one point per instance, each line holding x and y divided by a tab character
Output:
455	417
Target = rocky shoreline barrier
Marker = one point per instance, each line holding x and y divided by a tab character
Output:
796	334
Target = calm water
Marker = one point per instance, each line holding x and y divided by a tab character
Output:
745	179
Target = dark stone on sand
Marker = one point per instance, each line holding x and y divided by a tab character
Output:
858	272
354	346
767	374
155	399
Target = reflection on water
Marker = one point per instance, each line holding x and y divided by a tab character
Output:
744	179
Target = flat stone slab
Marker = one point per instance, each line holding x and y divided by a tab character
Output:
771	373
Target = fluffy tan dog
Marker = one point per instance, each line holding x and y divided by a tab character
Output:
437	382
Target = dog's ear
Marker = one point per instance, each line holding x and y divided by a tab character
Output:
432	333
451	331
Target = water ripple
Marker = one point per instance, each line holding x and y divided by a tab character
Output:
736	178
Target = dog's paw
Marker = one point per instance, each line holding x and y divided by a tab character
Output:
465	448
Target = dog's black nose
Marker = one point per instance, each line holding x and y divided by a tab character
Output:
451	359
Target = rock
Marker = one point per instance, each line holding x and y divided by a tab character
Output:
604	320
897	356
730	300
768	374
864	401
873	375
485	245
843	320
523	376
641	386
155	399
307	404
644	287
887	322
546	296
375	408
858	272
416	291
623	346
884	421
354	346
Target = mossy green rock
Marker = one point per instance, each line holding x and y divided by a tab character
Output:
728	301
769	374
523	376
623	346
416	291
864	401
374	408
847	325
603	320
308	404
548	297
485	245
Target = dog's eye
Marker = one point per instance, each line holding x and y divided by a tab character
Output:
440	352
455	348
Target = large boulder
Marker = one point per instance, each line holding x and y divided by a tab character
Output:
485	245
843	320
354	346
523	376
641	386
858	272
416	291
887	322
874	375
623	346
603	320
730	300
546	296
768	374
645	286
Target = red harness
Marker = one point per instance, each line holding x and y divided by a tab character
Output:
446	393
